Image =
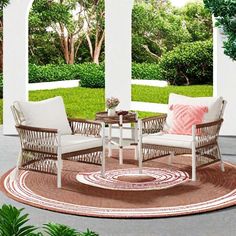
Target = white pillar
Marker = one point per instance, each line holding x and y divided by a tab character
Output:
15	59
118	50
225	82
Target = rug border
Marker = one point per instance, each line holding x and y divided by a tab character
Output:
108	216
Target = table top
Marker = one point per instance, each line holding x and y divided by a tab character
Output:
128	117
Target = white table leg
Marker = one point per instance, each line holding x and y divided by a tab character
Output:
109	140
136	138
121	140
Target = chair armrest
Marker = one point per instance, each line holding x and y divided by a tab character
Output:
207	133
43	140
36	129
85	127
153	124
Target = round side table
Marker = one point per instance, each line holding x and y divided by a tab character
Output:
122	117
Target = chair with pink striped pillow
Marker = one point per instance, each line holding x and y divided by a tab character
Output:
191	126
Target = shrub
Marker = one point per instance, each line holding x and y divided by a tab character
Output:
146	71
189	63
50	73
92	75
1	86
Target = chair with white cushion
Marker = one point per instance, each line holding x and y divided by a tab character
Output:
191	126
48	137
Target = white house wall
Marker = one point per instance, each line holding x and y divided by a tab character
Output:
225	83
15	58
118	50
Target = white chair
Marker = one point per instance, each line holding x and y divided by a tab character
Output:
48	137
202	144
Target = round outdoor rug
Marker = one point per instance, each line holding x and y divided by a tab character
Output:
213	190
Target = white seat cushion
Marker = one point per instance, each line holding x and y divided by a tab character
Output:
214	105
48	113
170	140
72	143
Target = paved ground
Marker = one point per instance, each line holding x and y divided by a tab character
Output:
218	223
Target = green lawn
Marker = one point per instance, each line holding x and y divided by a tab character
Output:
85	102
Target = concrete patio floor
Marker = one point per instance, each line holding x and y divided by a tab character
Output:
218	223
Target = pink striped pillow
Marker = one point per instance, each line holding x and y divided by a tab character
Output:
185	116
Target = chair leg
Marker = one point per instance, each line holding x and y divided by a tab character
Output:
140	160
103	163
104	149
194	175
15	173
194	161
59	169
171	156
221	160
140	151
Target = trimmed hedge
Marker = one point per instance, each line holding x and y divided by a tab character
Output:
189	63
146	71
91	75
1	86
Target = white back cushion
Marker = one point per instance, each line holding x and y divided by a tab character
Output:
48	113
214	105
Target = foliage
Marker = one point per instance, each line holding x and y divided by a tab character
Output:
224	12
53	229
12	222
50	73
197	20
156	29
66	25
88	233
94	21
59	22
1	86
145	71
189	63
3	3
57	35
92	75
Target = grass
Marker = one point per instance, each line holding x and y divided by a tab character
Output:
161	95
85	102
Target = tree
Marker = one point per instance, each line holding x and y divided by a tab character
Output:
94	12
71	22
198	21
3	3
63	19
156	29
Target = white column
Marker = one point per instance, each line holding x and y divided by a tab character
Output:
225	82
15	59
118	50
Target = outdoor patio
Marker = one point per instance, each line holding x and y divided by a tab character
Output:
127	171
218	223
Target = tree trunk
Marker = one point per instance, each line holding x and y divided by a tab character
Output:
71	47
98	48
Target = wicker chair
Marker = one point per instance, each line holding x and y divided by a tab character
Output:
44	149
202	144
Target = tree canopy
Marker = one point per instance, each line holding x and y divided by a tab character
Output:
225	13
